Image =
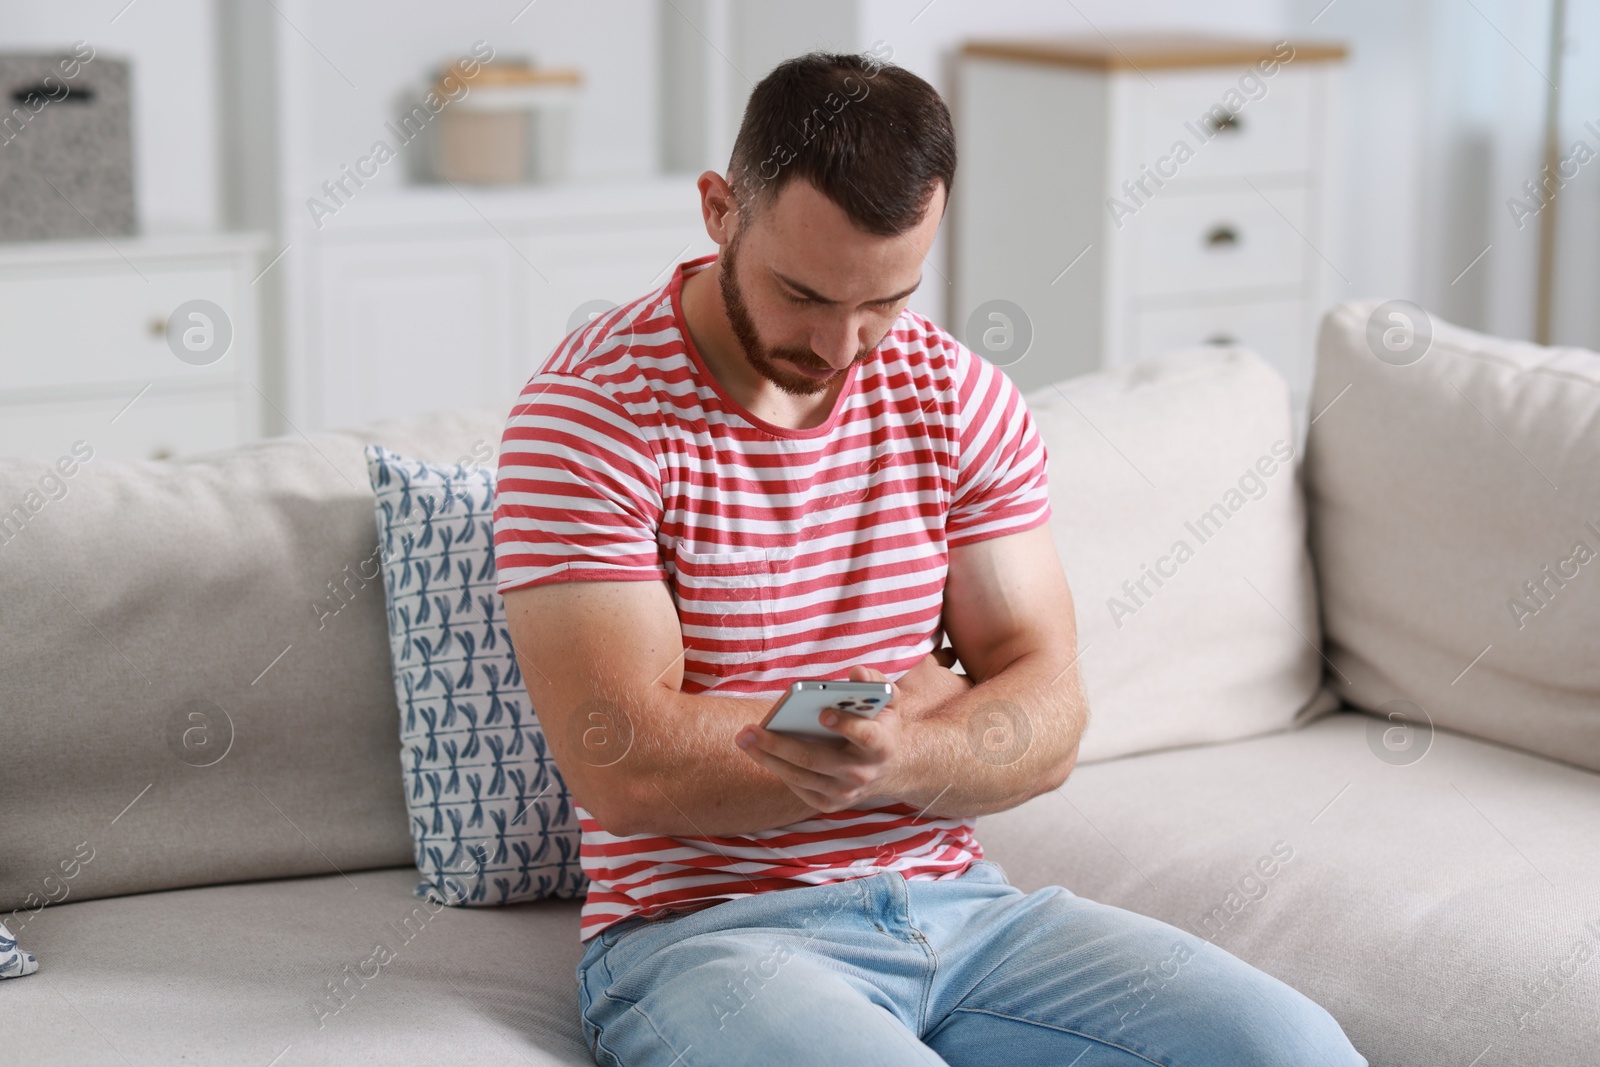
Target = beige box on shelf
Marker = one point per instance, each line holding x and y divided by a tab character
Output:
513	127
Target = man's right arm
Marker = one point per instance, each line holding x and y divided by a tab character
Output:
603	663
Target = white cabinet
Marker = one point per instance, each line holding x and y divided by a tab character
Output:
157	425
1211	243
584	269
405	326
1271	328
90	343
420	300
390	297
1143	194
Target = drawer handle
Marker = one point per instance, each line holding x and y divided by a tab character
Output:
156	327
1224	123
1221	340
1223	236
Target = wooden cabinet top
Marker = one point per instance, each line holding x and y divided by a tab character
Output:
1138	52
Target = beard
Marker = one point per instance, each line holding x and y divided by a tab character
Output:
760	356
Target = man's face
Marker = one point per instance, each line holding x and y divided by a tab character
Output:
805	290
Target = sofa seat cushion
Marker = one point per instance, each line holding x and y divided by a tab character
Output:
1438	908
238	974
1440	900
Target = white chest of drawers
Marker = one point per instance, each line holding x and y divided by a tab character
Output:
85	352
1143	194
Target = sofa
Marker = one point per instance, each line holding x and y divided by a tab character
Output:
1351	734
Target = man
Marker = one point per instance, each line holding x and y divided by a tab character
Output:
768	471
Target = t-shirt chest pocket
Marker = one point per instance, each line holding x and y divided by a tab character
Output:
727	600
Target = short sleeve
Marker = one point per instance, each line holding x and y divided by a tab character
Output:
1001	483
578	492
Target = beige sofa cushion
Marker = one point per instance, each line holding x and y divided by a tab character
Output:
196	669
1178	517
1455	520
1446	911
302	972
1430	938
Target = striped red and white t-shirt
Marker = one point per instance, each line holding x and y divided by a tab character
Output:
790	554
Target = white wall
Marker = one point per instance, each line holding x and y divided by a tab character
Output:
1577	311
925	35
1442	123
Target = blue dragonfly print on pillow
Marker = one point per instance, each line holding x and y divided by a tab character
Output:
14	960
491	820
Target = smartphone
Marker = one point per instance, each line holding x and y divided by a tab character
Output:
798	712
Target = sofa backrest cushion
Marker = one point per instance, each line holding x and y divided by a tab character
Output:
1454	494
195	678
1179	520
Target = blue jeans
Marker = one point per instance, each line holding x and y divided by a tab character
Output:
967	971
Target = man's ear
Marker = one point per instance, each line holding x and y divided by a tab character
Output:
718	207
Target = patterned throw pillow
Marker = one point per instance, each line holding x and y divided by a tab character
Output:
491	820
14	962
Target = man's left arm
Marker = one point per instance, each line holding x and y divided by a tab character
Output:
1008	612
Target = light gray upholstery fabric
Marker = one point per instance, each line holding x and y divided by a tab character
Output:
1446	910
1175	497
234	974
1418	903
1455	521
147	586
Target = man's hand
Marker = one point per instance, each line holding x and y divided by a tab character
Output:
834	777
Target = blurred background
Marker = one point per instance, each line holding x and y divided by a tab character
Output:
228	219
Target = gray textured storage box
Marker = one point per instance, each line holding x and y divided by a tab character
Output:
66	146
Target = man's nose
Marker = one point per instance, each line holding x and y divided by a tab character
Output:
838	342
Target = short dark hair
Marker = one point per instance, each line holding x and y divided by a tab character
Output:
872	137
